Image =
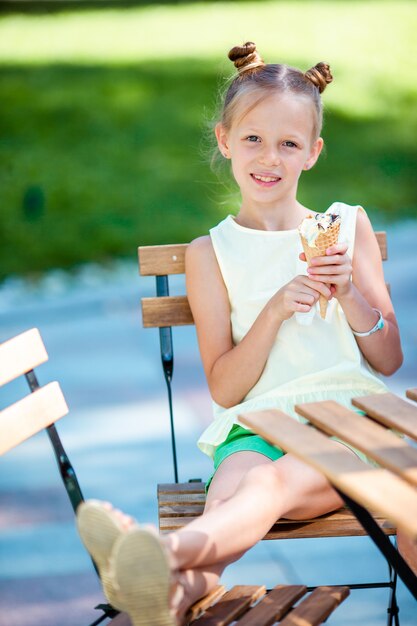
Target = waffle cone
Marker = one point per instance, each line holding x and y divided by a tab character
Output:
323	241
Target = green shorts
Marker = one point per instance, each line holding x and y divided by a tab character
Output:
238	440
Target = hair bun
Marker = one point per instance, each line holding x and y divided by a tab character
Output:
320	76
246	57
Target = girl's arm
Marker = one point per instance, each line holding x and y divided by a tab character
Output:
359	296
231	371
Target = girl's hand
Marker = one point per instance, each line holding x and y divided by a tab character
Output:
300	294
334	269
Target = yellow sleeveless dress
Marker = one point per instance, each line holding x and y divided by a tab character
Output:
312	359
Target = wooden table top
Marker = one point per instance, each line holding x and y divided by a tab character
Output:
386	434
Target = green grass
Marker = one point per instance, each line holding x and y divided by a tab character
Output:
103	115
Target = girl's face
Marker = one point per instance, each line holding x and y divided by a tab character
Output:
269	147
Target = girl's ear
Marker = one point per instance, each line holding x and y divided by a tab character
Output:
222	140
316	148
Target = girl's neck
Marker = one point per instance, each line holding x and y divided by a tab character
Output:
272	218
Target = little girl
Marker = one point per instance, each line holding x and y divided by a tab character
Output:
263	345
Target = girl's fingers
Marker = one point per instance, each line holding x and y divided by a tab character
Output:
302	308
330	278
334	259
337	270
313	288
337	248
319	285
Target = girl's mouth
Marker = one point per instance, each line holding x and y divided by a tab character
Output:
264	180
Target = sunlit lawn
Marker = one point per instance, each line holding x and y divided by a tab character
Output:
103	114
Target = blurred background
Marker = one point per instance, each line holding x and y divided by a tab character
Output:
105	144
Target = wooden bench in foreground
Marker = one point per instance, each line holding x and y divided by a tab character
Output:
251	605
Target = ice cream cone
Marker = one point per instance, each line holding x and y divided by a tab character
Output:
323	241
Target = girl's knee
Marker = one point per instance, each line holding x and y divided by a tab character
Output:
264	476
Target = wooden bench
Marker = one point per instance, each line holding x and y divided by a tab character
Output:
179	503
244	605
19	356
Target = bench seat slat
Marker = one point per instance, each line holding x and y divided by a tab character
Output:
232	605
316	607
390	410
21	354
371	438
197	609
178	506
28	416
250	605
273	606
376	488
181	488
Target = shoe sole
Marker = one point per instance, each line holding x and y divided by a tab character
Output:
99	529
142	573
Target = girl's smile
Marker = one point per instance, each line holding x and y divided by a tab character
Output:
266	180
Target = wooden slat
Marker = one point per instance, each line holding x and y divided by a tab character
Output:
232	605
162	260
220	609
197	609
291	530
374	488
412	394
181	488
21	354
28	416
378	443
169	259
158	312
273	606
317	607
330	525
180	503
181	510
390	410
166	311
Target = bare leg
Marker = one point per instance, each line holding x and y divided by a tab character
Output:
267	491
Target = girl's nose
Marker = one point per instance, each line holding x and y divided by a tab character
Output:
269	157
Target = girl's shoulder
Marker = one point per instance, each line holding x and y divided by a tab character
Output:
199	251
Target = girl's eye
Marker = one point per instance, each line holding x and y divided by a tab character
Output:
290	144
253	138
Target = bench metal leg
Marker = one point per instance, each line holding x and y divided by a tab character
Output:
392	555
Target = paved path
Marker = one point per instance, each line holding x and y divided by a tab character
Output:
116	436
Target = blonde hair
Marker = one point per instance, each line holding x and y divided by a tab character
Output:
260	79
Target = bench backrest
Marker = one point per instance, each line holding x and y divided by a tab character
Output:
166	260
43	407
37	411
